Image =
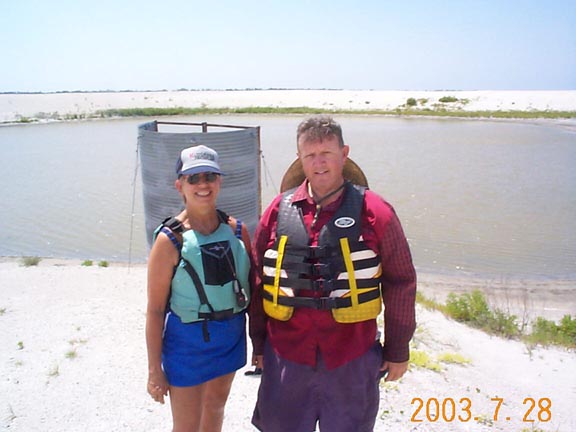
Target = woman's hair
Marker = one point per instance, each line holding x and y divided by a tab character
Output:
319	128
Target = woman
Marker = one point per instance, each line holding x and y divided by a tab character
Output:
198	291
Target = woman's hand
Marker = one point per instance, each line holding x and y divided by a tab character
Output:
157	386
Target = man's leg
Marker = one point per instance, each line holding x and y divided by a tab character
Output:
286	399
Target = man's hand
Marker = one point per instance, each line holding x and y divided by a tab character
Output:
395	370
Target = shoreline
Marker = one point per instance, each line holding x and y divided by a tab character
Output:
16	107
527	298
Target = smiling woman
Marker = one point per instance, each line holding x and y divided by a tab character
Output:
198	291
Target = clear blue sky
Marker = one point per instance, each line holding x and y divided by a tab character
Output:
66	45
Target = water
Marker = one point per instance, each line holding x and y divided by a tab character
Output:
474	197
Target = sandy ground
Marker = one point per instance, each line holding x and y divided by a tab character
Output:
15	106
72	357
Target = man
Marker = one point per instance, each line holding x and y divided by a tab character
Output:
328	254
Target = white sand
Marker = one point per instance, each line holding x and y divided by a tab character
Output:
15	106
58	308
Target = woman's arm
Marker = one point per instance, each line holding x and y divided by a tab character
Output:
163	258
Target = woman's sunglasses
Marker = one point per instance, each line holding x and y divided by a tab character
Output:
209	177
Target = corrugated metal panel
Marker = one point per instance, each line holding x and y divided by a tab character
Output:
239	151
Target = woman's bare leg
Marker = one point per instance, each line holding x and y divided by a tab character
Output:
200	408
214	400
186	404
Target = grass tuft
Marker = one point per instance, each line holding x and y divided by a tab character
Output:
30	261
473	309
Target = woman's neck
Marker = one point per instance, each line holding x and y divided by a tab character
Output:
203	222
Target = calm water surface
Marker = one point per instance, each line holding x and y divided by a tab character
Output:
480	197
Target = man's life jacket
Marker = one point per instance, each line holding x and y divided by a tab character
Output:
341	268
210	281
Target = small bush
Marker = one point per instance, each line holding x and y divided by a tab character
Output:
30	261
87	263
103	264
568	328
473	309
546	332
448	99
410	102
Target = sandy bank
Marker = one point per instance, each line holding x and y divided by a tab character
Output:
16	106
72	357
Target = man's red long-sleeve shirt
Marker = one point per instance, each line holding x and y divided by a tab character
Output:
310	330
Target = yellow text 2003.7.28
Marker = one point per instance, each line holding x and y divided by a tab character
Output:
450	410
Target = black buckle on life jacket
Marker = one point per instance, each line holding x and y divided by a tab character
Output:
317	252
325	303
173	224
217	315
319	269
325	285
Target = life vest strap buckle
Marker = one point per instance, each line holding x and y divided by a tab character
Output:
319	269
325	303
324	285
317	252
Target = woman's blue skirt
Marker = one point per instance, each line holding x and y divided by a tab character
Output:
189	360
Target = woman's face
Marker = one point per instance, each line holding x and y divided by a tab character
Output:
200	189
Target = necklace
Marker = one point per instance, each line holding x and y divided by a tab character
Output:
319	202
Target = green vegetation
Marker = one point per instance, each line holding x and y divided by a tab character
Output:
453	358
103	264
447	106
545	332
20	345
423	360
30	261
407	110
448	99
72	354
2	311
87	263
473	310
429	303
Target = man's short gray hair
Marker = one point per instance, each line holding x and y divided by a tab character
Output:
318	128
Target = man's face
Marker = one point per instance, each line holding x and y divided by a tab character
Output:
323	162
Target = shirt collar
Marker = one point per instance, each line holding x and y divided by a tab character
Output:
301	194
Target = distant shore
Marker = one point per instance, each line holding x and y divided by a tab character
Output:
24	107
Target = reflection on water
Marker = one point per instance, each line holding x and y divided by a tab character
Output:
474	196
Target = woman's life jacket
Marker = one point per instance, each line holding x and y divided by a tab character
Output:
341	274
211	280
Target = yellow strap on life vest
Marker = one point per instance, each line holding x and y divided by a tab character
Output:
281	246
345	246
